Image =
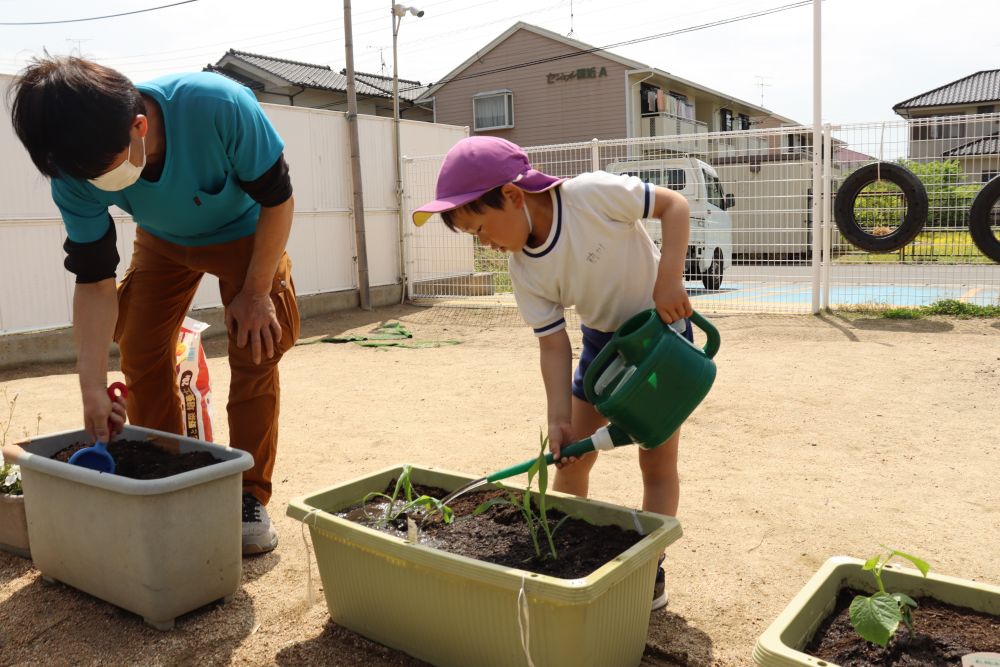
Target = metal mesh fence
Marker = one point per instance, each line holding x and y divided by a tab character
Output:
752	240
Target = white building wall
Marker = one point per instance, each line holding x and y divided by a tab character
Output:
36	291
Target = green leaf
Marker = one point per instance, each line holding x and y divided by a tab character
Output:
919	563
493	502
875	618
904	600
871	563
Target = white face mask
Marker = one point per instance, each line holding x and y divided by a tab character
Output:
123	175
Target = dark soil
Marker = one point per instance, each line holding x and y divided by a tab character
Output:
500	535
943	633
139	459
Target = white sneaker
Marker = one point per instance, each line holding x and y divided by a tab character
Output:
259	535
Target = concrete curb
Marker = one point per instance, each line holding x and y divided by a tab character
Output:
57	346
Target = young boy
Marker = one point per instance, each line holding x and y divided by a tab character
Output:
574	242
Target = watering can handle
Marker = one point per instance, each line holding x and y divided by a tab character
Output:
711	333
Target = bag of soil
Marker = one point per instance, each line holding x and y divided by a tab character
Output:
192	378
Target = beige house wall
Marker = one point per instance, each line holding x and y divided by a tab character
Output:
560	111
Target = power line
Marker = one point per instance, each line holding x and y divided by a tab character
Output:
672	33
95	18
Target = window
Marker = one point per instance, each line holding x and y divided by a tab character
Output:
987	108
493	110
714	189
725	120
668	178
744	121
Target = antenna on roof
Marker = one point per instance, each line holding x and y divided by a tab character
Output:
760	83
570	33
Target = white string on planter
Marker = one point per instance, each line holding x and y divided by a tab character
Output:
638	524
522	623
309	574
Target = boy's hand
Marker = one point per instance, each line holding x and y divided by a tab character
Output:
671	301
560	433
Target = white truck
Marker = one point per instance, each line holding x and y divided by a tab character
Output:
710	245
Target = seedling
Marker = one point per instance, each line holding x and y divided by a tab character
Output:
398	507
10	474
541	520
876	617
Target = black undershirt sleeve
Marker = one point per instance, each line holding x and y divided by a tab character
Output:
95	261
273	187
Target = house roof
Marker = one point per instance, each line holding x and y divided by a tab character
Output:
980	87
321	77
521	25
982	146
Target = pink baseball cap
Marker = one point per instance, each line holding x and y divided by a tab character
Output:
476	165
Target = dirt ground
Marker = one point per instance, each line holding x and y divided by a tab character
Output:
822	436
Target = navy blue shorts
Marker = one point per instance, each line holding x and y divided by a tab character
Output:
593	342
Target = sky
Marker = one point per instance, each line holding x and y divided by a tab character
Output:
876	53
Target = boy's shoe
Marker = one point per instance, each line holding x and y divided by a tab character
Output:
259	535
660	586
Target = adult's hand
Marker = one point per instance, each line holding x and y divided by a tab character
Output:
98	410
253	319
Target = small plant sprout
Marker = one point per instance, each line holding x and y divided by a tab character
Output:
523	504
876	617
10	474
398	507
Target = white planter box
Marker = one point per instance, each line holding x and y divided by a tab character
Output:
13	526
159	548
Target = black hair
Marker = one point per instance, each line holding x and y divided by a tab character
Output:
73	115
492	199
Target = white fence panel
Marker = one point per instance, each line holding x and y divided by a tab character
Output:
764	232
36	291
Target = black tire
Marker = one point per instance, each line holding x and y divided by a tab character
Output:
979	220
916	206
712	278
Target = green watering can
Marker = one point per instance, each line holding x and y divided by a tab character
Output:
647	380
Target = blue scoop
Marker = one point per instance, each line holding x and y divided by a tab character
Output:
97	457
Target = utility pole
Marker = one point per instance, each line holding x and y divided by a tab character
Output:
359	196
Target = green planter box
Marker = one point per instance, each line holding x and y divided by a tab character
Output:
782	643
450	610
159	548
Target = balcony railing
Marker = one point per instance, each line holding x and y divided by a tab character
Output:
661	124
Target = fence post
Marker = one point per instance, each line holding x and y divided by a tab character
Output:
817	139
595	155
827	210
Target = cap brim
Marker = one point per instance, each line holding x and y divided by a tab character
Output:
422	214
536	181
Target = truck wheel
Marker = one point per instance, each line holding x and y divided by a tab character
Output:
692	270
712	279
982	218
916	207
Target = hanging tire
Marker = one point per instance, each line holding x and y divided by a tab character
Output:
712	278
979	220
916	206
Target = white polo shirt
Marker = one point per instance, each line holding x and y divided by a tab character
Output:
597	257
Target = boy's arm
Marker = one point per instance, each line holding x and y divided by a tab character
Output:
557	360
669	295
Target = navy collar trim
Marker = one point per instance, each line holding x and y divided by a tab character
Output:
557	214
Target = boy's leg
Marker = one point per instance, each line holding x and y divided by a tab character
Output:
575	478
153	298
660	480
